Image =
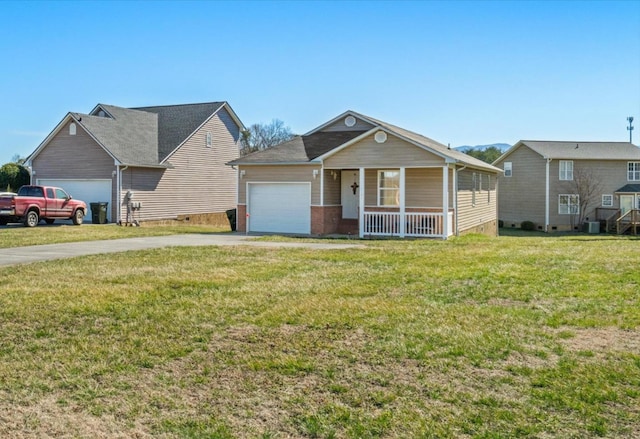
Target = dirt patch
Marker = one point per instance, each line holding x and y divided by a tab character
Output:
602	340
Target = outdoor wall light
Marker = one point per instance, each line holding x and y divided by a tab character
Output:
315	173
242	173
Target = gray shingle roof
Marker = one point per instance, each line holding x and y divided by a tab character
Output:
630	188
145	136
584	150
303	149
300	149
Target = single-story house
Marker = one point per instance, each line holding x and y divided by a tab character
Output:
358	175
559	184
148	163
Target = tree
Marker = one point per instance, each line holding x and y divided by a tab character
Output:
262	136
12	176
588	187
488	155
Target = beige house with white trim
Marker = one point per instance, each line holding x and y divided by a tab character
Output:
542	181
362	176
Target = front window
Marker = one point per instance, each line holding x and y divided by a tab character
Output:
607	200
566	169
633	171
388	188
568	204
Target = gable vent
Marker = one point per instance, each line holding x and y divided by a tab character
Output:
380	137
349	121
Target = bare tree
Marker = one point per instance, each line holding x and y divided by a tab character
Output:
262	136
588	186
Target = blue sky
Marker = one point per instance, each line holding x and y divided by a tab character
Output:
460	72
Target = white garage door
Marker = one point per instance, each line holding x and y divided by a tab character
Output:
89	191
279	207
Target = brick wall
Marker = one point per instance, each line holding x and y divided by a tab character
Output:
325	220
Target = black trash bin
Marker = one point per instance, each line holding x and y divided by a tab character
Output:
99	213
231	216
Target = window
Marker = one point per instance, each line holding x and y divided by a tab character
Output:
633	171
508	166
72	129
607	200
388	188
208	139
60	194
568	204
566	169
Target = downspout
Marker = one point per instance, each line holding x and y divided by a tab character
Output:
119	173
546	200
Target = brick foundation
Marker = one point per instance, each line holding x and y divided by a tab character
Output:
490	228
241	218
325	220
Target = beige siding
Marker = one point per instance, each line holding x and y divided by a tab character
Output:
199	181
368	153
522	196
423	187
339	125
332	187
484	209
612	175
283	173
77	157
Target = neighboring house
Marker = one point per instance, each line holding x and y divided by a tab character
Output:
359	175
148	163
558	185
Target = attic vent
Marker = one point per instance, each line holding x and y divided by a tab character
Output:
380	137
350	121
101	113
72	129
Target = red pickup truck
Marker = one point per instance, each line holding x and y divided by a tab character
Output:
33	203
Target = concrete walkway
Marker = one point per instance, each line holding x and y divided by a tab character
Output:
36	253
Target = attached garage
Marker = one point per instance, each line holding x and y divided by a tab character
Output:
89	191
279	207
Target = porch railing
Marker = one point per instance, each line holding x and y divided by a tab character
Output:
418	224
629	220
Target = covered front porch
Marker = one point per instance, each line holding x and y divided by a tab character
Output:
626	217
397	202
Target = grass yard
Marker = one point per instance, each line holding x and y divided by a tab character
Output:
532	336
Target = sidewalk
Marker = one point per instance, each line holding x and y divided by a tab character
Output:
36	253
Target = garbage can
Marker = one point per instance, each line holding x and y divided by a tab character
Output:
231	216
99	213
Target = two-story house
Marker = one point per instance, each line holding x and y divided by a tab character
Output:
560	185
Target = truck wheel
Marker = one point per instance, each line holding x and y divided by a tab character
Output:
31	219
78	217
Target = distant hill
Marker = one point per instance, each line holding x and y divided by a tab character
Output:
501	146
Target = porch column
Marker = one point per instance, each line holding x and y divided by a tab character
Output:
361	203
402	203
445	201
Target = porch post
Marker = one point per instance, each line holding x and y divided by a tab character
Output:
402	203
361	203
445	201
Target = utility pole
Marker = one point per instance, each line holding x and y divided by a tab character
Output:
630	128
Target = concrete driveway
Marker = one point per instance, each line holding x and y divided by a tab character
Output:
36	253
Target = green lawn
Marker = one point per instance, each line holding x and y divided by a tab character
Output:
519	336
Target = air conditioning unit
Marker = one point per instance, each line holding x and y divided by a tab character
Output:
592	227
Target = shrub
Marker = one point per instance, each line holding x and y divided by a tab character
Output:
527	225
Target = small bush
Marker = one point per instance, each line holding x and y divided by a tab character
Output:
527	225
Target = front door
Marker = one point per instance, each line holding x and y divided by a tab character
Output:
350	193
627	202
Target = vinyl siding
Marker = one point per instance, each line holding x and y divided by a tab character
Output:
339	125
423	187
75	157
484	210
332	188
368	153
522	196
282	173
611	174
199	181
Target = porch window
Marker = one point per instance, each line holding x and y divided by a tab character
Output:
633	171
566	169
568	204
607	200
388	188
